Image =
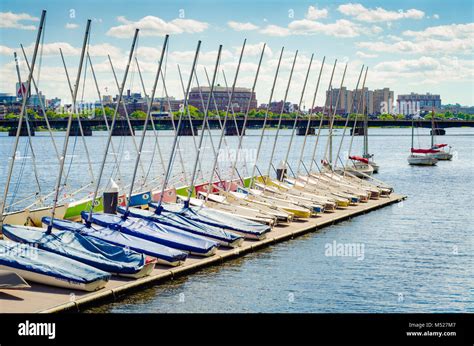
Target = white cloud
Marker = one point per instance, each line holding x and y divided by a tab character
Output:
436	40
71	26
378	14
155	26
12	20
425	69
275	30
375	29
365	55
453	31
430	47
4	50
315	13
237	26
435	16
254	49
52	49
340	28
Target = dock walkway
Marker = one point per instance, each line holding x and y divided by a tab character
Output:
45	299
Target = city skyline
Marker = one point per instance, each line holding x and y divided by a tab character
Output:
396	41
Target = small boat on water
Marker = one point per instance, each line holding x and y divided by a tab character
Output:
418	156
422	157
44	267
12	281
91	251
161	234
442	155
164	255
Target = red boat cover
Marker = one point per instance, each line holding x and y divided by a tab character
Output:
440	145
424	151
359	158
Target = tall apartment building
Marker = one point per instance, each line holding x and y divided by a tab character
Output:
240	98
376	102
345	103
383	101
366	104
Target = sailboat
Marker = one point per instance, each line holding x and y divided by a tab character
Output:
440	154
362	166
420	157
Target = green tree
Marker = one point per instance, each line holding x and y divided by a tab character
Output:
11	116
138	115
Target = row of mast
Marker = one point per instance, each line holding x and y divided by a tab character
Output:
175	148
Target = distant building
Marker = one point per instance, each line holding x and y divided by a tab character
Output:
375	102
364	105
411	103
344	104
240	98
276	107
53	103
107	99
6	98
382	101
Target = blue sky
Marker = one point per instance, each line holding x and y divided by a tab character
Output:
420	46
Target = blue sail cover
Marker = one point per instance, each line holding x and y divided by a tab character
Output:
25	257
161	234
216	218
183	223
115	237
94	252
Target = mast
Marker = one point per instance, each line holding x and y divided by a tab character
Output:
329	142
41	104
229	105
104	115
297	113
206	112
114	118
321	121
347	118
281	114
127	117
308	124
362	99
33	155
366	128
20	120
433	131
142	140
239	146
265	119
178	127
66	139
74	96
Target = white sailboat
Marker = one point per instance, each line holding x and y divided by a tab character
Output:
420	157
440	154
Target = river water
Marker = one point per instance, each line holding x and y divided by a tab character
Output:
415	256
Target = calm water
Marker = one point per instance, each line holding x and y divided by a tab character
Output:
418	255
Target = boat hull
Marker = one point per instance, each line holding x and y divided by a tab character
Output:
33	217
418	160
56	282
443	156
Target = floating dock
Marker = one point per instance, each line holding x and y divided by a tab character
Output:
45	299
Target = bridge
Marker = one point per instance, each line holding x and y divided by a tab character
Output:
252	123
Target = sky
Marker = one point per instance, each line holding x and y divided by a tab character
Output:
408	46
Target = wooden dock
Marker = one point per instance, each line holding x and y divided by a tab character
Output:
45	299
